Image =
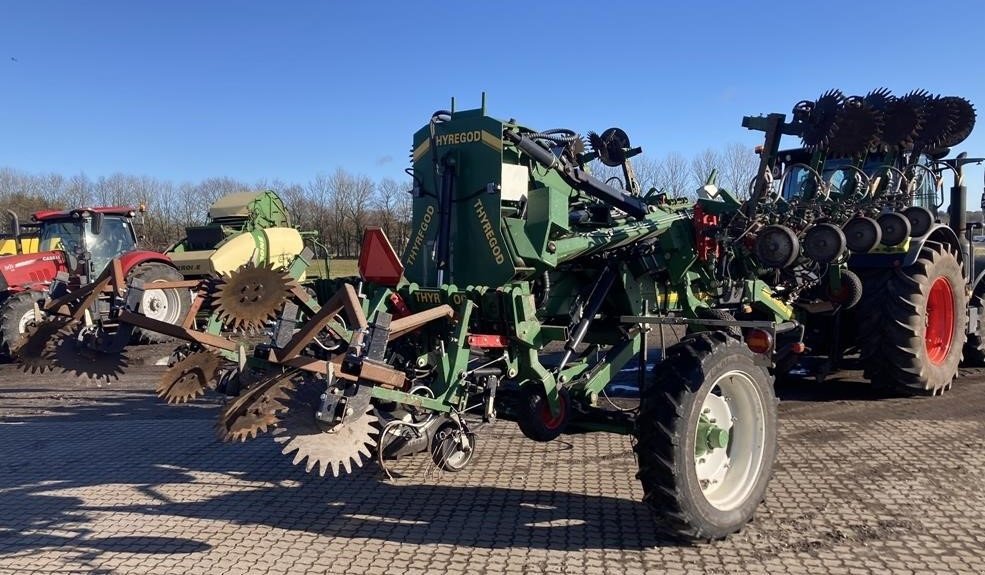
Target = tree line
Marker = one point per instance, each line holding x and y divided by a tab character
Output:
338	205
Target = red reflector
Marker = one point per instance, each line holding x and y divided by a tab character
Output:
399	305
488	340
759	341
798	347
378	261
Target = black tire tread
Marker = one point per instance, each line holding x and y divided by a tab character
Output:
892	333
11	311
662	412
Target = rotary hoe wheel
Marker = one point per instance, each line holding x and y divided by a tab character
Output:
706	437
918	326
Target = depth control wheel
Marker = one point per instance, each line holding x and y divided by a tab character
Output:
862	234
777	246
452	447
824	243
534	413
895	228
706	437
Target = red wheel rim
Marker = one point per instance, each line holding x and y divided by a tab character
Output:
940	321
551	421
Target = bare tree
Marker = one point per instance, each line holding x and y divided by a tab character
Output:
388	193
702	166
739	165
674	175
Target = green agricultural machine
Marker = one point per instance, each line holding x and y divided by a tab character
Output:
241	227
526	287
851	216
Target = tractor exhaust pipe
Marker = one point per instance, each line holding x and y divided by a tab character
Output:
15	230
957	212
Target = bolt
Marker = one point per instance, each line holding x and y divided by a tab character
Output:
323	397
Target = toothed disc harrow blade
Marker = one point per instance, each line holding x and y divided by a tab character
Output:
879	99
821	116
963	114
939	122
902	120
257	409
189	378
30	348
319	447
857	128
250	296
72	357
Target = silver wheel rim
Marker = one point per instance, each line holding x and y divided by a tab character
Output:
26	320
727	475
162	305
456	450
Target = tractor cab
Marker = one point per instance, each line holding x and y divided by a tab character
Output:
843	177
91	237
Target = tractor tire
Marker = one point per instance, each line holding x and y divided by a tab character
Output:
534	414
922	325
716	314
698	490
868	312
974	348
16	312
169	305
849	293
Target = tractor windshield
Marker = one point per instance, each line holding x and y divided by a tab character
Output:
116	237
61	235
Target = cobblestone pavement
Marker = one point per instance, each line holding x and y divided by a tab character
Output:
111	481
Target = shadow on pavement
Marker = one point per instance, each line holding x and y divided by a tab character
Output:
163	450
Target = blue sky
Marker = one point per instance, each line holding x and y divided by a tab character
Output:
185	90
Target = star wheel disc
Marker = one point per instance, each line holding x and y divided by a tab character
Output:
903	119
879	98
939	121
337	447
256	409
251	295
67	352
189	377
29	350
963	113
857	128
820	123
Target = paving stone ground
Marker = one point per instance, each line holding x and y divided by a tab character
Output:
110	481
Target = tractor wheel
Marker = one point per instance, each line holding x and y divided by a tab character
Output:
706	437
922	324
974	348
168	305
534	413
868	312
849	292
716	314
16	313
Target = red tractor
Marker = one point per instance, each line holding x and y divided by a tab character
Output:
81	243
